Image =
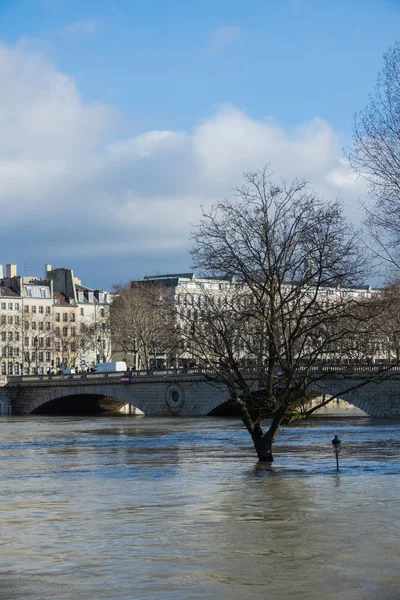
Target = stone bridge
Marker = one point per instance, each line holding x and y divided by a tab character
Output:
156	393
181	392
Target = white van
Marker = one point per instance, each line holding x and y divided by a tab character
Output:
111	367
70	371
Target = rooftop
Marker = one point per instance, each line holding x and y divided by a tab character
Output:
7	292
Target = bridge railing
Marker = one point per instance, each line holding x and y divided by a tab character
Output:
114	376
171	372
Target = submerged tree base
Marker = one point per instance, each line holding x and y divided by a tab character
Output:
266	459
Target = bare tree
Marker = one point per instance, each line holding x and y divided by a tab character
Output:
386	330
139	325
291	255
93	337
375	155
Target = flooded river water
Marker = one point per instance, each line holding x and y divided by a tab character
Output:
142	508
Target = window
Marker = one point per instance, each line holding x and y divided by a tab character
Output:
3	368
41	309
40	356
26	341
3	336
58	346
3	306
48	342
41	342
33	324
41	326
10	306
48	310
17	336
72	346
58	317
3	319
16	351
16	369
48	356
34	310
27	356
65	317
10	368
58	362
65	331
82	312
16	320
28	292
57	331
26	309
10	352
16	306
10	336
10	320
102	313
72	330
43	292
73	317
47	326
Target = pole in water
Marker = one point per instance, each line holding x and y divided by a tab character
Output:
336	448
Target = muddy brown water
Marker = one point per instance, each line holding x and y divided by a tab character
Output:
133	507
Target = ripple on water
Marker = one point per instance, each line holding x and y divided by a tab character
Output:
179	509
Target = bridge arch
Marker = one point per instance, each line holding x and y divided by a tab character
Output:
354	399
215	401
116	392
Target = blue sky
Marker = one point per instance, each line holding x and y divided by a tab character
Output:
119	119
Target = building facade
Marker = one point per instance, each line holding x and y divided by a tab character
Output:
190	296
51	323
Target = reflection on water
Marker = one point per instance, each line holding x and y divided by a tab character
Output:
124	507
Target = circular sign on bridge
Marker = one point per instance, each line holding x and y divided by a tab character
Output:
174	398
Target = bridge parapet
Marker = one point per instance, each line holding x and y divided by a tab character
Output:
109	377
191	392
173	373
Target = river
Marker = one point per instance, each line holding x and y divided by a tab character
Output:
142	508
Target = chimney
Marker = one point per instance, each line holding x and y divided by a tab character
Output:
47	268
1	271
11	270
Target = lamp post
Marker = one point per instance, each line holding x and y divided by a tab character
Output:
36	343
336	448
98	351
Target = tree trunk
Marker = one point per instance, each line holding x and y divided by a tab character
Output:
263	441
263	445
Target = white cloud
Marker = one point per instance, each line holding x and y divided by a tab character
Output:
82	27
222	37
64	192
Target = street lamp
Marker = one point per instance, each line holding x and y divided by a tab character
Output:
36	343
336	448
98	351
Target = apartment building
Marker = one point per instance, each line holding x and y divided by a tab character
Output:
190	295
81	320
51	323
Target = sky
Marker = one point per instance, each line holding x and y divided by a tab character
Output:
120	120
